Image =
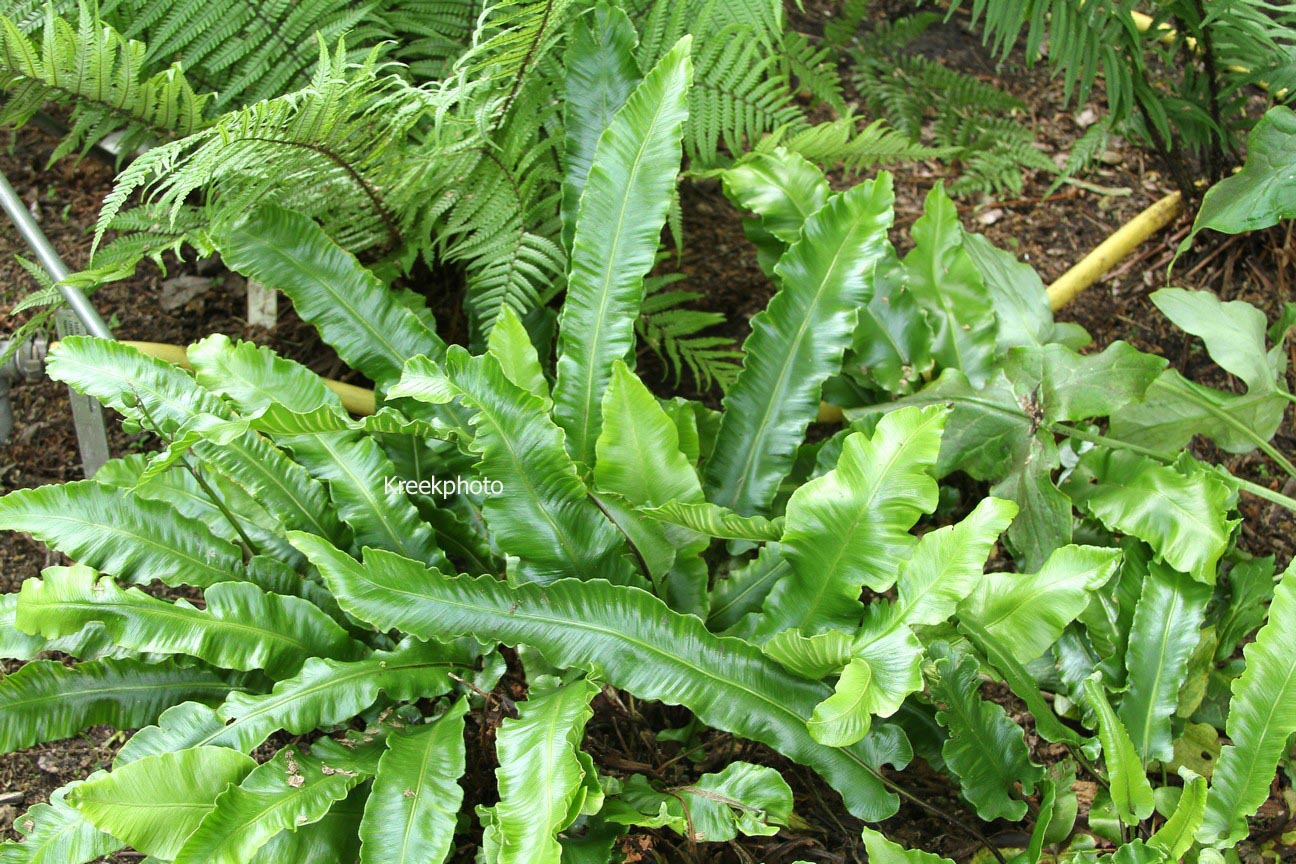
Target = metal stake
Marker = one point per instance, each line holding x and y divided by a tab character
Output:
87	415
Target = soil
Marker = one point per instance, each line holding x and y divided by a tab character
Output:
1050	232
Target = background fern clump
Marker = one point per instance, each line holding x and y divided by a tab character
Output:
411	130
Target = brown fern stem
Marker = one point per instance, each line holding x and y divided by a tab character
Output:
379	207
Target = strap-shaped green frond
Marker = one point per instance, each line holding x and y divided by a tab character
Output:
601	72
541	775
355	313
326	692
1131	793
241	628
156	394
636	642
796	344
47	701
112	530
1026	613
155	803
544	515
291	790
57	832
985	750
622	210
849	528
411	812
253	377
947	285
1261	720
1162	637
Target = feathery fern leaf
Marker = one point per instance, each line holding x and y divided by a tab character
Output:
101	73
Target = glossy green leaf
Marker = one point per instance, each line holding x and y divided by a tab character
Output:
359	477
986	431
849	529
1043	523
242	627
883	851
1184	518
716	521
90	643
946	565
326	692
332	838
880	674
892	346
601	75
783	189
1250	588
885	655
1074	386
291	790
946	283
540	777
155	803
47	701
1176	409
631	637
1026	613
639	459
796	344
138	539
185	725
1177	834
1234	333
181	490
744	589
1261	720
1261	194
511	345
985	750
1165	631
1040	832
639	456
618	228
545	516
812	657
368	326
411	812
253	377
56	833
153	392
1022	314
1020	681
753	800
1131	792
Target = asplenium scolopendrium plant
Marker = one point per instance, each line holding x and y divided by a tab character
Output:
353	614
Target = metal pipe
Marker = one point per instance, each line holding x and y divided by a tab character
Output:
50	260
80	317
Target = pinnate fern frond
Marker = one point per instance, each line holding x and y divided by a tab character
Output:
102	75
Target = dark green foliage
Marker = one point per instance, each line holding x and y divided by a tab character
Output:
967	120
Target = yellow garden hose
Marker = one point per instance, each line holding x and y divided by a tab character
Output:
1111	251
